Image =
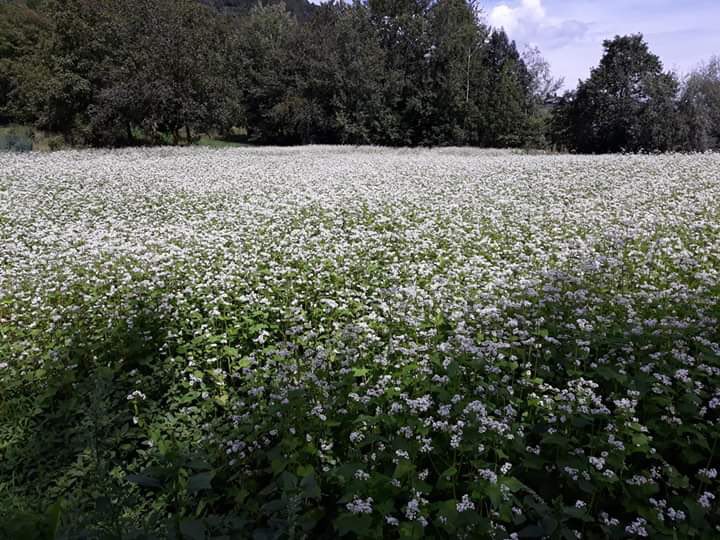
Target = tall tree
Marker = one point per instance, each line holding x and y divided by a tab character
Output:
627	104
543	85
457	38
700	107
23	33
73	61
300	9
166	72
271	105
343	64
403	27
543	88
506	101
110	67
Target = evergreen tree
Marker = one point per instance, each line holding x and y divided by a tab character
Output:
457	39
350	61
507	101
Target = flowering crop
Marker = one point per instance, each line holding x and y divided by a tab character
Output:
322	342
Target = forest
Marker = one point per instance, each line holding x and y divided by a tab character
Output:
380	72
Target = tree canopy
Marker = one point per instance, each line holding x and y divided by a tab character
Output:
627	104
410	72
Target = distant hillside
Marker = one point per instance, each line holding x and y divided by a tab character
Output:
302	9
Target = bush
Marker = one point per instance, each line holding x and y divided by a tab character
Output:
55	142
16	140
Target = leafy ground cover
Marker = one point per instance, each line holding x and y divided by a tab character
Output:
329	342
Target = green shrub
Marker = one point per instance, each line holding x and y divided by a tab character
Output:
16	140
55	142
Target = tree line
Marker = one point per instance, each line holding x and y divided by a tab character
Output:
387	72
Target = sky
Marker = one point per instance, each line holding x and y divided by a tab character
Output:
682	33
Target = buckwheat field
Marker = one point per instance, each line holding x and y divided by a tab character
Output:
323	342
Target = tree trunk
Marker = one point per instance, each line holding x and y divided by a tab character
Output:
188	135
467	79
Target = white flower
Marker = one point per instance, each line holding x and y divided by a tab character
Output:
360	506
637	528
261	337
676	515
487	474
465	504
136	395
706	499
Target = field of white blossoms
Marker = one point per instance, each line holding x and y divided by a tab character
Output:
322	342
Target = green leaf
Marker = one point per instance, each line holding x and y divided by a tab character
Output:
232	352
696	513
310	519
192	530
403	468
359	525
514	484
53	514
288	481
494	494
678	480
303	470
243	363
532	531
278	465
144	481
275	506
577	513
199	464
200	481
310	487
412	531
549	524
446	477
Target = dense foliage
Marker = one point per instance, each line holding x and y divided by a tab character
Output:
394	73
700	107
398	73
627	104
630	104
324	343
301	9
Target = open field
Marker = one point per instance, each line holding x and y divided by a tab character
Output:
325	341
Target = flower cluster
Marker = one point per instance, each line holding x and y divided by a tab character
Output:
450	343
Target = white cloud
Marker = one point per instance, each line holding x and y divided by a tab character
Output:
529	22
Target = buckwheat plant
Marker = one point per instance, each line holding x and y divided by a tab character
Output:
326	341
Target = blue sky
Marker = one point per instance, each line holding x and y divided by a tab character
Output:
570	34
